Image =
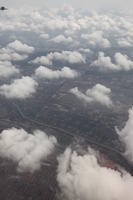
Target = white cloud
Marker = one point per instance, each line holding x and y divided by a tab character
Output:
7	69
123	42
15	51
82	177
27	150
104	63
72	57
62	39
18	46
99	93
11	55
65	72
44	36
86	51
44	60
122	62
19	88
126	136
96	39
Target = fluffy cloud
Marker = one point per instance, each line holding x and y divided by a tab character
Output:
7	69
126	136
122	62
20	47
99	93
27	150
44	60
72	57
15	51
62	39
19	88
82	177
65	72
104	62
96	39
44	36
11	55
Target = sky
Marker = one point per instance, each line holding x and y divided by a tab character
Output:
87	4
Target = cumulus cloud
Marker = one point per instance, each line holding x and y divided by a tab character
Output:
124	42
122	62
65	72
19	88
44	36
20	47
62	39
72	57
96	39
15	51
82	177
126	136
7	69
11	55
44	60
104	62
27	150
99	93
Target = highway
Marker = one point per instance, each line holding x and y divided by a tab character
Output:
112	153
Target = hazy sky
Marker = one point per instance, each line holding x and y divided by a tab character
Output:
75	3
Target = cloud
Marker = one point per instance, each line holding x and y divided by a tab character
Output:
81	177
44	36
7	69
44	60
7	54
122	62
124	42
99	93
72	57
62	39
126	136
20	88
65	72
86	51
96	39
27	150
15	51
104	63
18	46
